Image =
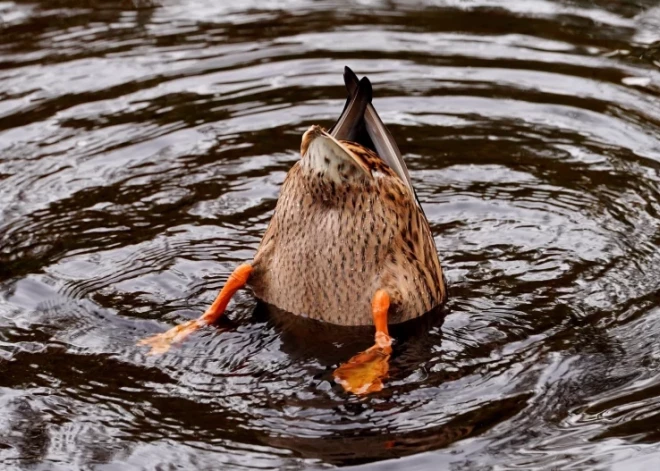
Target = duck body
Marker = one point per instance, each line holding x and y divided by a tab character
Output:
341	231
348	242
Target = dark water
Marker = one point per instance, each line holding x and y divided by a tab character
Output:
142	147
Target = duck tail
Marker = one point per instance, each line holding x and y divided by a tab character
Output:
351	123
378	135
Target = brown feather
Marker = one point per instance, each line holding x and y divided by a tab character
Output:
337	235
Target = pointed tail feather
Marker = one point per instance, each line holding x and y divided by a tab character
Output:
351	122
383	141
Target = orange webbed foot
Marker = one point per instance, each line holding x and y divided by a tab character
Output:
161	343
365	372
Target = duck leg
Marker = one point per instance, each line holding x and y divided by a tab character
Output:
161	343
364	373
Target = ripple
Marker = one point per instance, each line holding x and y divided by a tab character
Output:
143	147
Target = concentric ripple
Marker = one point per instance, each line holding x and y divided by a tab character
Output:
142	148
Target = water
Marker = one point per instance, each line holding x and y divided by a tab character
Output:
142	147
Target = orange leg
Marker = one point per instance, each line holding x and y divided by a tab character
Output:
364	373
161	343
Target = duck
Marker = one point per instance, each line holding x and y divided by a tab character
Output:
348	242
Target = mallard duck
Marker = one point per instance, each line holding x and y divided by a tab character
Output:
348	242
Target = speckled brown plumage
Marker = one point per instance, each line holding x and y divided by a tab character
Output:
348	242
342	229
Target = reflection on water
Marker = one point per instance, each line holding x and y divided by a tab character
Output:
142	146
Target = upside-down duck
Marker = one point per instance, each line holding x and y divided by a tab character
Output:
348	242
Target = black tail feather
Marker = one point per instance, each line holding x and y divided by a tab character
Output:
380	137
351	124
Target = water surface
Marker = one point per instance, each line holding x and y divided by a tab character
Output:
142	148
